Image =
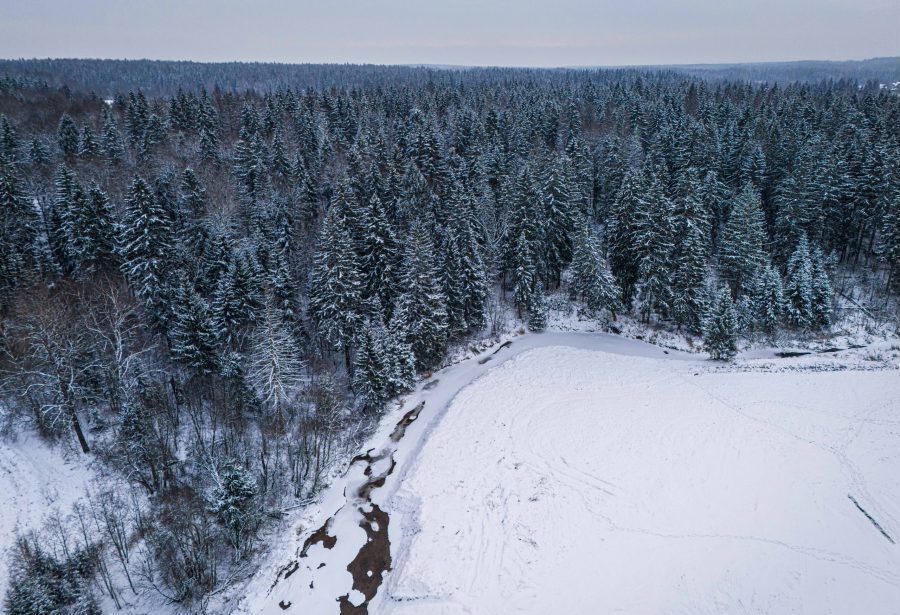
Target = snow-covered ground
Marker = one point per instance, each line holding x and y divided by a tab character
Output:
35	480
572	481
590	473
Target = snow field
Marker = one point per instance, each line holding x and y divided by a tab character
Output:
568	480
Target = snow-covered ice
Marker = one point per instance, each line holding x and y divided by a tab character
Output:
579	472
571	481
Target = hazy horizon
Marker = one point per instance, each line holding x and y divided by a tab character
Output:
577	33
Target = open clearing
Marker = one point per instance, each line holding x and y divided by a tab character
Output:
586	473
572	481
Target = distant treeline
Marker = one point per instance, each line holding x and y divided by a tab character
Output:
155	77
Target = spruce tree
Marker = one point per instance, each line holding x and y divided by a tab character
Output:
768	300
889	242
743	242
337	284
422	306
20	253
622	232
537	308
111	138
591	278
237	298
821	290
799	286
371	366
192	336
67	137
146	242
560	208
688	280
233	501
655	242
94	233
720	335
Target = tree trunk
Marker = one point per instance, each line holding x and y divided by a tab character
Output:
76	425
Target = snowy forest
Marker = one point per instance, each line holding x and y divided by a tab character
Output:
213	290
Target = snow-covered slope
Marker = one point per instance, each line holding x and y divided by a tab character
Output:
570	481
35	479
590	473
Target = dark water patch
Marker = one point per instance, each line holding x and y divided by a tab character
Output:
505	344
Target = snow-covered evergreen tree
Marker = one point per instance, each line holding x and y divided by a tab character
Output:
591	278
720	334
422	306
821	290
622	232
799	286
743	240
233	501
337	283
146	243
192	335
768	300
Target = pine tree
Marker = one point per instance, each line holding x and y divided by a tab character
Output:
720	337
422	306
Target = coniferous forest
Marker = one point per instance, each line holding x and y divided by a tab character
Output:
212	288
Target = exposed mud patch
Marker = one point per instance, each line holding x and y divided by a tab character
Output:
319	536
372	561
406	421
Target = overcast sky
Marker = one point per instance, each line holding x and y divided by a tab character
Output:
485	32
